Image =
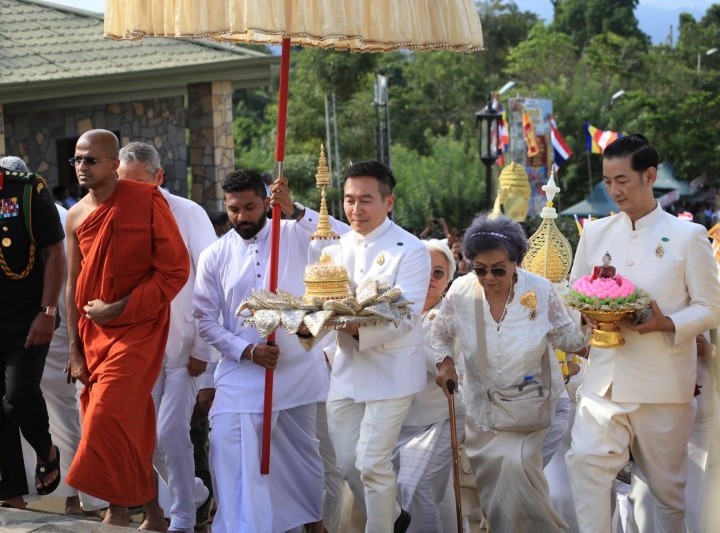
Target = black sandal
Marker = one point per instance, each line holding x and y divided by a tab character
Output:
43	471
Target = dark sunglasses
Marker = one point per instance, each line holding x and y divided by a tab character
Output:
498	272
89	161
438	274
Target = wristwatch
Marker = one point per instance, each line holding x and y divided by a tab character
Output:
49	310
299	210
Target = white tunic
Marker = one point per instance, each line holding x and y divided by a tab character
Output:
386	362
228	271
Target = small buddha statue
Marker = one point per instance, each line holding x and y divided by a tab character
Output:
606	271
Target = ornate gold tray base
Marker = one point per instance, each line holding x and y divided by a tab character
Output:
607	334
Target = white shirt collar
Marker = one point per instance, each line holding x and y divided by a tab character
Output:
644	222
374	234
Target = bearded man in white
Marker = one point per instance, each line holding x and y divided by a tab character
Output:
230	269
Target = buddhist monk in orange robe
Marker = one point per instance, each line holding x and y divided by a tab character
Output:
126	262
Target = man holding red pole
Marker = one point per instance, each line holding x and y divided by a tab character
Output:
228	270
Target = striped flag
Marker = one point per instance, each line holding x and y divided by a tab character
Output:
529	133
560	146
597	139
504	144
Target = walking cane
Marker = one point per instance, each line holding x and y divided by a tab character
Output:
451	387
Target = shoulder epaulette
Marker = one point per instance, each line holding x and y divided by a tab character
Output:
22	177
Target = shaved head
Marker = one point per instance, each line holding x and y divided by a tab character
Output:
104	140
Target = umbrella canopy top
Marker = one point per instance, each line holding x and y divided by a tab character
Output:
354	25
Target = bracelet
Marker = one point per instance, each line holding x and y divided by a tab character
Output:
252	352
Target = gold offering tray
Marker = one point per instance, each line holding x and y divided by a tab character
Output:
370	304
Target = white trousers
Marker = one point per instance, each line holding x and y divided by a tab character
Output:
422	460
334	481
603	433
63	408
365	435
290	496
174	396
699	448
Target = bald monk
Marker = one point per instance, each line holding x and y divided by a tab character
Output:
126	262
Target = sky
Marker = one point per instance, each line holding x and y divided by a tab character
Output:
655	16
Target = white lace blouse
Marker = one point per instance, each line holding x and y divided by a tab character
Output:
514	348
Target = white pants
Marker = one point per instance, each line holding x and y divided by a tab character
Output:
290	496
63	408
603	432
334	482
422	460
365	435
699	447
174	395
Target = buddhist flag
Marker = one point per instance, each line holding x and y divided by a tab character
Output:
597	139
561	148
529	132
714	234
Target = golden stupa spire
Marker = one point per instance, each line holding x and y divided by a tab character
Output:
322	179
550	253
513	193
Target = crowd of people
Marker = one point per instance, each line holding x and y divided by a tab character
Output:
130	382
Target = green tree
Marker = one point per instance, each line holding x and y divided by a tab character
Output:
584	19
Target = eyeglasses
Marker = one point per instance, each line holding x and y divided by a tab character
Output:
89	161
498	272
438	274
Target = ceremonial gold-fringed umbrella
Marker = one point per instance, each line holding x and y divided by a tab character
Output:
354	25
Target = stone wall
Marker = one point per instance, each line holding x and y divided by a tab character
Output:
45	139
212	155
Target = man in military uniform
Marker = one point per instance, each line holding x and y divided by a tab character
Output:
32	262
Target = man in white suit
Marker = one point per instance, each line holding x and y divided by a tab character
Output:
640	395
186	354
377	369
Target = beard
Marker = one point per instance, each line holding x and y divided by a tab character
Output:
247	230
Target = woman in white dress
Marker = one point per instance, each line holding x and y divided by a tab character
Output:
521	315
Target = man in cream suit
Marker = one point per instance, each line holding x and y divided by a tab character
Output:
640	395
186	355
377	369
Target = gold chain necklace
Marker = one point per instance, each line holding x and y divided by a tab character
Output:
507	304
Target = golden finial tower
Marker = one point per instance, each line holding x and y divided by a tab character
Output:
322	179
550	253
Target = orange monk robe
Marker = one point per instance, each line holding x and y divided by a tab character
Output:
130	245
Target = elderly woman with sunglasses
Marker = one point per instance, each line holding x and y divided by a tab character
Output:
422	457
520	316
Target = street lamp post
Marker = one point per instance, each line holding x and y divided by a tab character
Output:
709	52
488	121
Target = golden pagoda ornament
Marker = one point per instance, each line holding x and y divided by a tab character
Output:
550	253
513	197
322	179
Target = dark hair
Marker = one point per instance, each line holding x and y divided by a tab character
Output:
374	169
486	234
244	180
637	147
219	219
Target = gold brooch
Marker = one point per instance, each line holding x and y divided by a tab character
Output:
659	252
529	300
380	260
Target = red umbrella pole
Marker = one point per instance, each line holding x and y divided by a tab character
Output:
275	243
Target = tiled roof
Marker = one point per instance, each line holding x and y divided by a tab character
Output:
41	42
